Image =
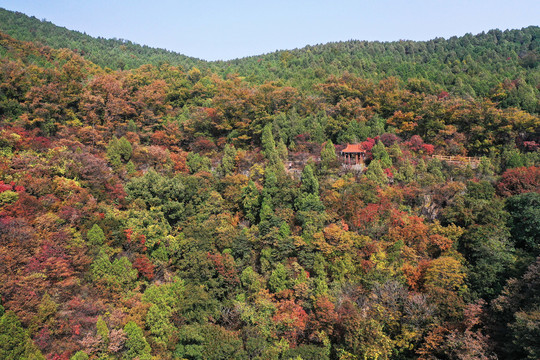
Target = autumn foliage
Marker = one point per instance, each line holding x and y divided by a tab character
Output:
168	212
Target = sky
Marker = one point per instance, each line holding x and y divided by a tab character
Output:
223	30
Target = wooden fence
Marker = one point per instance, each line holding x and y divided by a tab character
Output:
473	161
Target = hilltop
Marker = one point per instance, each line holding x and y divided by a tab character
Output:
470	65
117	54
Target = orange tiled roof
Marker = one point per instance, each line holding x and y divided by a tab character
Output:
353	148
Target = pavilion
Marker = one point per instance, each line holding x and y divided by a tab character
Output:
353	154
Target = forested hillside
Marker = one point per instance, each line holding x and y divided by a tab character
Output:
113	53
205	212
501	64
469	65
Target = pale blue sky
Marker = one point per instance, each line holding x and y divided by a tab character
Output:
219	29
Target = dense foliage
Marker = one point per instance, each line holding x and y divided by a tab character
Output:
172	213
113	53
475	65
501	65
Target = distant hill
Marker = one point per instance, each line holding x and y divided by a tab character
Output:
468	65
113	53
471	65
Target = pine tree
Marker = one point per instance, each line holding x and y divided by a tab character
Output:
15	343
95	235
250	201
282	151
278	279
45	315
112	152
376	173
132	127
376	125
228	161
125	149
269	145
310	184
379	153
119	150
328	155
12	337
266	209
197	162
271	188
136	344
102	330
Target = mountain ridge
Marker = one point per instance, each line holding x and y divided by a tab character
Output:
30	28
7	18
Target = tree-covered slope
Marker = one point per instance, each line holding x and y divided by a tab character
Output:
112	53
505	63
468	65
167	213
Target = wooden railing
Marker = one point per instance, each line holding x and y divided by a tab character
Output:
461	159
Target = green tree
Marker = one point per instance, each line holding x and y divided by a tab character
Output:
250	202
485	167
524	221
379	153
12	337
96	236
163	196
125	150
79	355
197	162
490	256
310	184
15	344
516	317
209	342
328	155
130	167
132	127
119	150
405	172
271	191
102	330
269	146
375	173
307	352
119	274
252	281
228	161
376	125
136	344
8	197
512	158
278	279
434	167
267	211
526	332
165	300
45	315
282	151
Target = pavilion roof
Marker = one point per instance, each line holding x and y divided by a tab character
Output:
353	148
